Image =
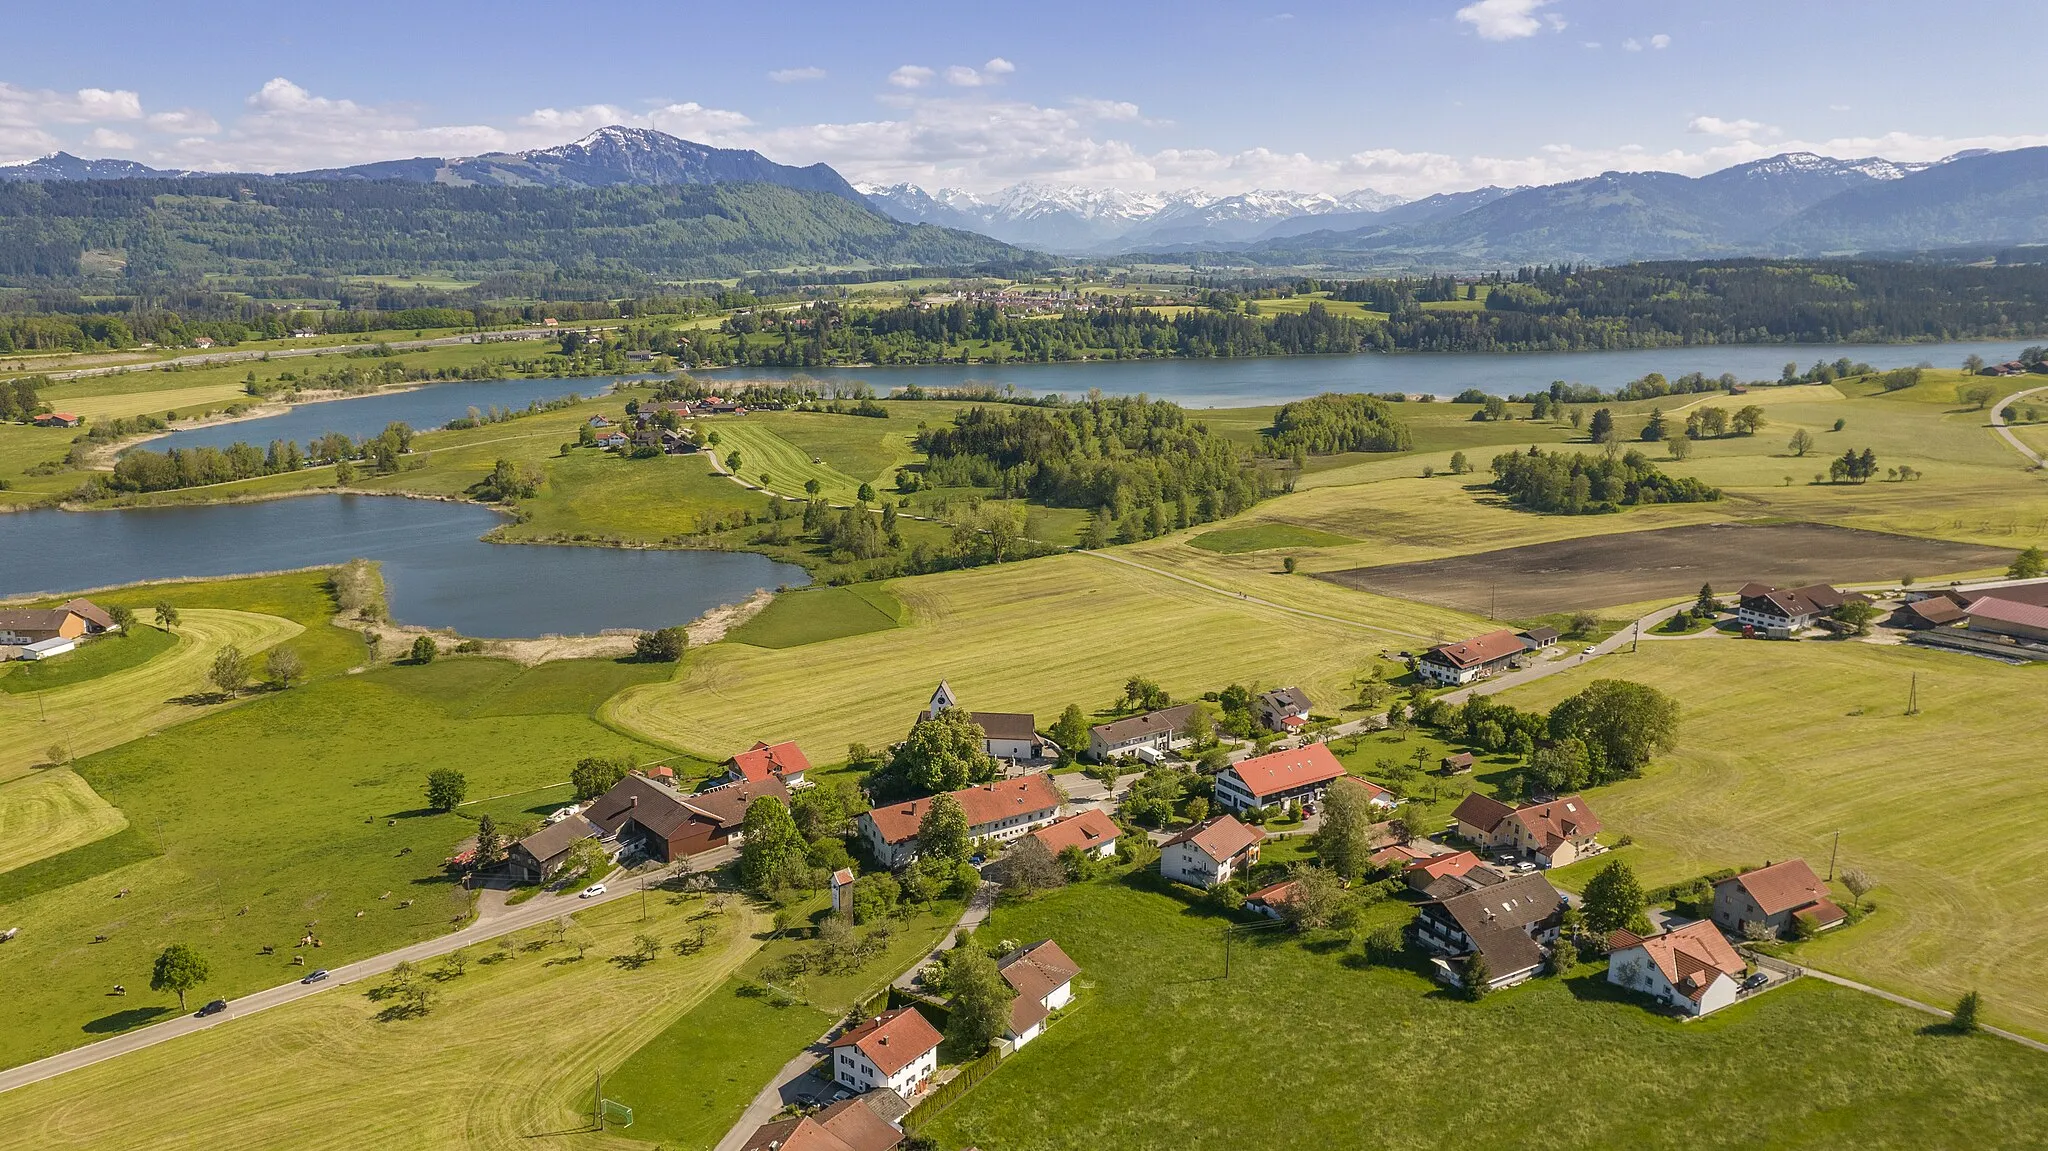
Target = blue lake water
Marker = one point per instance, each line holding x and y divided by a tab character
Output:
1277	379
436	570
359	417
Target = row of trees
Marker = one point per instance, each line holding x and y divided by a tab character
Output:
1578	484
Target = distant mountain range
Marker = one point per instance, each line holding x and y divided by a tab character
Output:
1796	204
1078	220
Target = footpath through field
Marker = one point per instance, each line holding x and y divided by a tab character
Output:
1998	425
533	912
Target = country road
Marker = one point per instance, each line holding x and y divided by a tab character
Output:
540	909
1998	425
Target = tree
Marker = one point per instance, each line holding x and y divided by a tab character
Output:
772	855
1344	842
1071	731
594	775
1562	767
1564	956
1654	429
865	493
1317	899
1026	866
1973	363
1963	1021
812	487
944	753
587	858
1858	882
645	948
1289	564
1705	606
490	846
445	788
1602	427
1749	420
981	999
1459	464
1613	900
1977	395
1002	526
1679	446
166	615
283	665
732	461
664	646
1856	615
942	833
1622	724
424	649
1478	976
179	969
2029	564
230	670
1801	443
123	617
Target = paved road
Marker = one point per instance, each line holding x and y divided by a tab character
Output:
540	909
795	1076
1998	425
324	350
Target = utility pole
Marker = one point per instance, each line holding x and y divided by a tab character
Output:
597	1102
1913	696
1832	852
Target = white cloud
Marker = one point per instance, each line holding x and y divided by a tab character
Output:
689	119
184	122
911	76
997	66
1593	44
107	138
1105	109
796	75
1632	44
1660	40
1505	19
961	76
286	127
1728	129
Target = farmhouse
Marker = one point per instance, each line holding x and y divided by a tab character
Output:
1284	710
667	825
1443	876
1043	977
1774	896
1467	660
1211	852
1508	923
1551	834
612	440
1934	611
764	761
1154	729
897	1049
1000	811
58	420
848	1125
1774	610
1271	900
1090	832
1993	615
1008	735
1301	775
1690	969
539	856
22	626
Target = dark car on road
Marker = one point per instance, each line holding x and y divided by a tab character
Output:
213	1008
316	977
1755	981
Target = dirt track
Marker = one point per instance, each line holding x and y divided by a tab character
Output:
1634	567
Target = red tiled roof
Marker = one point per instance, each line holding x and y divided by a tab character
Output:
1273	894
1782	886
2007	611
1689	957
92	612
984	803
1283	771
1438	866
763	760
1087	830
1822	912
848	1125
1036	970
1479	649
892	1040
1566	818
1399	852
1219	837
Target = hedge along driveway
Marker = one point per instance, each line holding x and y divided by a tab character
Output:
87	717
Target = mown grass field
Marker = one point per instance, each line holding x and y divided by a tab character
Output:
93	659
51	812
300	807
796	618
1784	744
1306	1045
689	1084
505	1058
1031	636
1265	537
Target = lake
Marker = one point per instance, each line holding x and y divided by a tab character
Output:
359	417
1277	379
436	571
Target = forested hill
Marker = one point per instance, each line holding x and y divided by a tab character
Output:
157	230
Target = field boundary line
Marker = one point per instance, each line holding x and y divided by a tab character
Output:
1915	1004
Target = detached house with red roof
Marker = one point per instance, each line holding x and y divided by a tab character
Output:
1284	710
999	811
1043	978
1090	832
764	761
1214	851
1549	834
1782	611
1467	660
1775	896
897	1050
848	1125
1691	969
1303	774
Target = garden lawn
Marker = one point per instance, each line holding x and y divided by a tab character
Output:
505	1057
800	617
1784	744
1305	1046
299	807
101	656
1030	636
689	1084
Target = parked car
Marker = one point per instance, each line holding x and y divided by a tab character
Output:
213	1008
1755	981
593	891
316	977
841	1094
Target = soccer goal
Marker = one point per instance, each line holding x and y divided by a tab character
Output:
615	1113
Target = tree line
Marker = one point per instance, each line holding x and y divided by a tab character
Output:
1578	484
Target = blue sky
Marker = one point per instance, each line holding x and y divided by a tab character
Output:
1405	96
